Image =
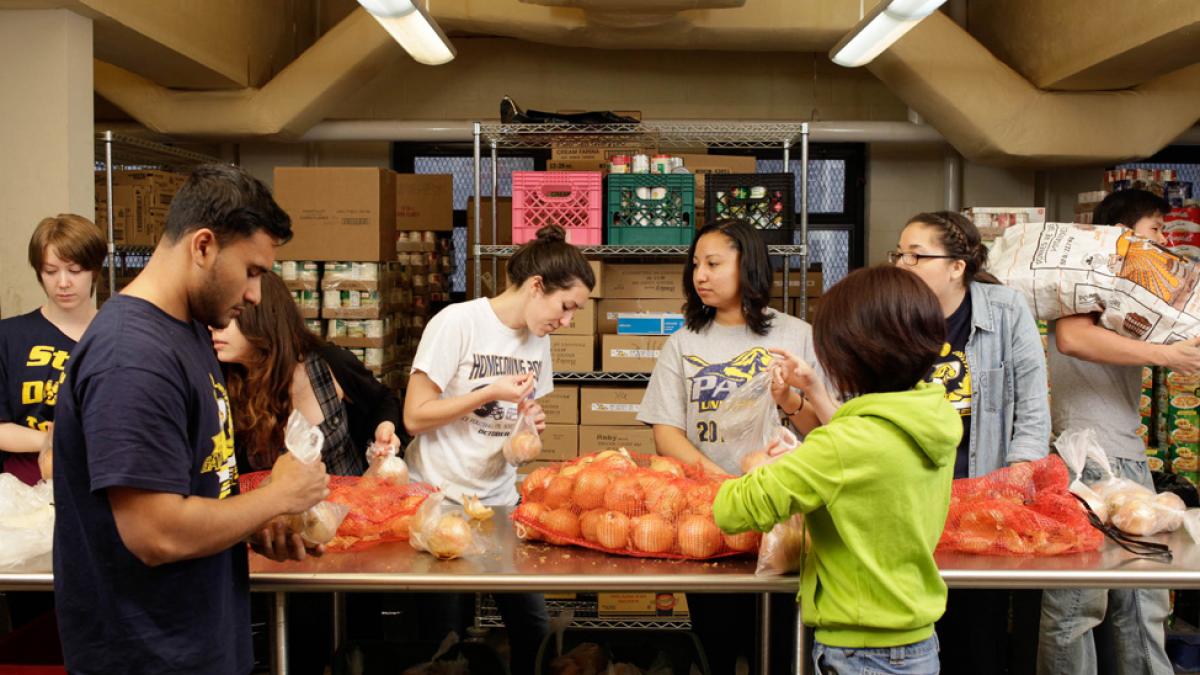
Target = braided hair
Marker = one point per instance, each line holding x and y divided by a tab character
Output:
961	239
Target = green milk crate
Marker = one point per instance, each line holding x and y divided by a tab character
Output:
651	209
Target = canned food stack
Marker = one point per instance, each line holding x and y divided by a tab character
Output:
993	220
424	268
303	279
359	300
1182	424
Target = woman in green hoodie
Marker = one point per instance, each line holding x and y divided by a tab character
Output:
874	482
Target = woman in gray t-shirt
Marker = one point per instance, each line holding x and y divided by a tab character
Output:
729	331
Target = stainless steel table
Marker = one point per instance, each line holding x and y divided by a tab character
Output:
511	565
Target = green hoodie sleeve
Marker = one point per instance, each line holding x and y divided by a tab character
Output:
799	482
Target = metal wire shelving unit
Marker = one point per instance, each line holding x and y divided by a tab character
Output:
121	151
667	135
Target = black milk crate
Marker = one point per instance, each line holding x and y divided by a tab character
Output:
765	200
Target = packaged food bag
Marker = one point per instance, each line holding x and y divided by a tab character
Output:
782	549
523	444
26	525
1140	289
319	524
443	530
626	504
1024	509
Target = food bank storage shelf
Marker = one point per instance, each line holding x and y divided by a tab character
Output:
134	151
746	135
604	251
601	377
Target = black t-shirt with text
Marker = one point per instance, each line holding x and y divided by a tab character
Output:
954	372
144	407
33	362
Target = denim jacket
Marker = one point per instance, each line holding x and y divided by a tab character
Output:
1010	416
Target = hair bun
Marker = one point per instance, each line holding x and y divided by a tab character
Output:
550	233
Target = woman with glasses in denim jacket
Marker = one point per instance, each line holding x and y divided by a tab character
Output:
994	369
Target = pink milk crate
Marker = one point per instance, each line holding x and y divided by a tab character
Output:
573	200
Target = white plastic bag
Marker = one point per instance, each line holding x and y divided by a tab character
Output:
26	525
319	524
443	530
523	443
1123	503
383	463
748	421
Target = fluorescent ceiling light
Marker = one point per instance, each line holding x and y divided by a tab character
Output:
415	30
880	29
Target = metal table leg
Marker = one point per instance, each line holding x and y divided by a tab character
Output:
801	649
339	620
279	665
764	645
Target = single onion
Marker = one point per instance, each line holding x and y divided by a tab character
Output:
668	502
523	447
699	537
558	493
612	530
742	542
562	523
450	537
589	489
589	522
666	465
653	534
528	512
537	479
625	495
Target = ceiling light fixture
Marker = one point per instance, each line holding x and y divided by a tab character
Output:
877	31
413	28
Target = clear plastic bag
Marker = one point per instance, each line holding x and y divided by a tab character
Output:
782	549
443	530
26	525
524	444
319	524
1123	503
383	463
749	422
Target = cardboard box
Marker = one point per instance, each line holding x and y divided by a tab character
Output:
813	286
607	310
649	324
583	323
702	165
573	353
610	604
560	442
561	405
338	213
634	439
578	158
529	467
630	353
644	281
135	223
424	202
610	406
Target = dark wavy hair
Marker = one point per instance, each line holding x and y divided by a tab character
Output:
754	280
260	393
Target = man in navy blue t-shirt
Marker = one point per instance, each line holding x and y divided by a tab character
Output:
150	562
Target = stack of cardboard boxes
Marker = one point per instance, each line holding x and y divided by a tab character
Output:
809	288
140	202
371	249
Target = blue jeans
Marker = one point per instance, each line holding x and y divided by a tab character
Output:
918	658
1138	616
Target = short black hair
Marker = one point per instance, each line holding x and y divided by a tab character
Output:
1127	207
228	201
754	279
878	330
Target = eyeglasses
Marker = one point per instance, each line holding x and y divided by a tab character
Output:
911	259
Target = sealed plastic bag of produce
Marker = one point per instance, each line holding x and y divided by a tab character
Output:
26	525
1140	289
319	524
444	530
383	463
1024	509
524	444
627	504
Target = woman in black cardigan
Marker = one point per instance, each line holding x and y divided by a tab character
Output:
273	364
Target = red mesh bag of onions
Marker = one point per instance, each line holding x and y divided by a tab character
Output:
636	505
1024	509
380	510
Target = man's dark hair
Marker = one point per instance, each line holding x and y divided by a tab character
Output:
878	330
1127	207
754	278
228	201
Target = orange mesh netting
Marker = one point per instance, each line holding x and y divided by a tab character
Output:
636	505
380	510
1019	510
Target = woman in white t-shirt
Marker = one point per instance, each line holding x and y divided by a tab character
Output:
480	365
729	334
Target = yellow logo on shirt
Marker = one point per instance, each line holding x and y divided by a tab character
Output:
952	371
222	460
36	392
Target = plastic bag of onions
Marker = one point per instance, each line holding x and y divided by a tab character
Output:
444	530
384	464
523	444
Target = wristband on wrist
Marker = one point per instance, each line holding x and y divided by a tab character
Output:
797	410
